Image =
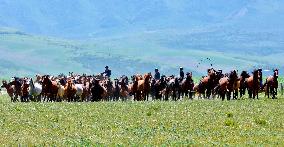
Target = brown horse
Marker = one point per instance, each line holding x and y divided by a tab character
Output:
236	88
207	83
49	89
134	88
109	88
124	89
233	79
223	87
146	86
186	86
253	83
10	90
272	84
86	90
17	87
70	91
25	91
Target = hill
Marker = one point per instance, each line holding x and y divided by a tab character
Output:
24	54
137	36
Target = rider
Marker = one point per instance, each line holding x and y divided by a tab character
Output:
181	73
157	74
107	71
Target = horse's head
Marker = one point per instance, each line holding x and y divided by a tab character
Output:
276	73
211	72
147	76
189	75
4	84
31	82
256	74
244	74
233	75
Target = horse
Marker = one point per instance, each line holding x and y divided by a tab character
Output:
253	83
158	87
25	91
223	88
109	87
97	91
134	88
10	90
173	88
35	90
243	84
144	86
79	92
124	89
272	84
70	91
49	89
186	86
236	88
233	79
16	82
86	90
207	83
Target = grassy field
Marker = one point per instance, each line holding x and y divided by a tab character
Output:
198	122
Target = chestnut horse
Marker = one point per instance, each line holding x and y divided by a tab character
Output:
272	84
144	86
223	88
49	89
207	83
253	83
233	79
10	90
70	91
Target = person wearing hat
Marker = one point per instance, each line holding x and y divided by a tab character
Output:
181	73
107	71
157	74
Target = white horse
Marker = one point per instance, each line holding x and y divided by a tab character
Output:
79	92
35	90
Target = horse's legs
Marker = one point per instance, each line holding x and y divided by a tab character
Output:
228	95
222	95
272	92
250	93
208	92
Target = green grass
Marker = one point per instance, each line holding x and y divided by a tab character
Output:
199	122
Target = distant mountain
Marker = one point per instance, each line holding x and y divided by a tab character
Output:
92	18
138	35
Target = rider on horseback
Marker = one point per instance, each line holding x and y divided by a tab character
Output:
157	74
181	73
107	72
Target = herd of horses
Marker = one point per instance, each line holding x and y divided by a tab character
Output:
83	88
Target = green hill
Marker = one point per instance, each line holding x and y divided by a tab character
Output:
24	54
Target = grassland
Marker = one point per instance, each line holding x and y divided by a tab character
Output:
200	122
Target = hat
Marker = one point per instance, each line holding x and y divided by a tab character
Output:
106	67
180	67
